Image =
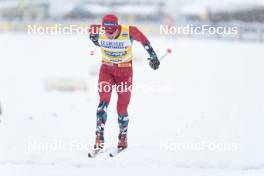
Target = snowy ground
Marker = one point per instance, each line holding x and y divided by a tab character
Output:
213	94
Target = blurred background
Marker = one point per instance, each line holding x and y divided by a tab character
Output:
248	15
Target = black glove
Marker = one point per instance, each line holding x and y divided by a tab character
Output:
94	39
154	63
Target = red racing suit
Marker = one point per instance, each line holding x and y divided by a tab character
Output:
117	74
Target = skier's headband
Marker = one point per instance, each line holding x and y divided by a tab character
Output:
110	24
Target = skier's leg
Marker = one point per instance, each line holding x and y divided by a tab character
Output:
105	90
123	121
101	117
124	80
122	105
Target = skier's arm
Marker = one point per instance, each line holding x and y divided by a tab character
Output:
137	35
94	34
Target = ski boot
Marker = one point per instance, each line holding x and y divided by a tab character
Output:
98	146
122	141
99	141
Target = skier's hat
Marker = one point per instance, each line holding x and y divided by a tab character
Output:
110	23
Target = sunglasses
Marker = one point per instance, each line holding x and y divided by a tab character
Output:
109	24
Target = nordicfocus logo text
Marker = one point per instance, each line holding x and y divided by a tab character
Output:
63	29
190	29
105	86
191	145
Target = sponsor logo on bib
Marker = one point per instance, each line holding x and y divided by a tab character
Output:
114	44
115	54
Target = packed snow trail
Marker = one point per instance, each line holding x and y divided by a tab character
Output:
207	91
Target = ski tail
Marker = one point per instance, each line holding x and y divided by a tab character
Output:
116	152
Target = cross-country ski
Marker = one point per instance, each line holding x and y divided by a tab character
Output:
116	152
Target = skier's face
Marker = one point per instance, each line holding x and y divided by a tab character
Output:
111	29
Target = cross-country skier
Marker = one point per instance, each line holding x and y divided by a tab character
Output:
116	69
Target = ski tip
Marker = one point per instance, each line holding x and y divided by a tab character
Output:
90	155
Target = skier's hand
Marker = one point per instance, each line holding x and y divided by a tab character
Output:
94	39
154	63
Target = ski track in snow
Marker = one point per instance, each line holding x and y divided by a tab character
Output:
215	94
97	162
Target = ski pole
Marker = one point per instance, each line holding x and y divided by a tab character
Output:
92	52
168	51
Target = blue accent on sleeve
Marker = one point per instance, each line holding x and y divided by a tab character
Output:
131	39
150	51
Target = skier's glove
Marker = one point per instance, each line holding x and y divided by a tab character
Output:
94	39
154	63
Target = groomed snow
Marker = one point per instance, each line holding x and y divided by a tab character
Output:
214	93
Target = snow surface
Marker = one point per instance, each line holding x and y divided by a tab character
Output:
214	92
